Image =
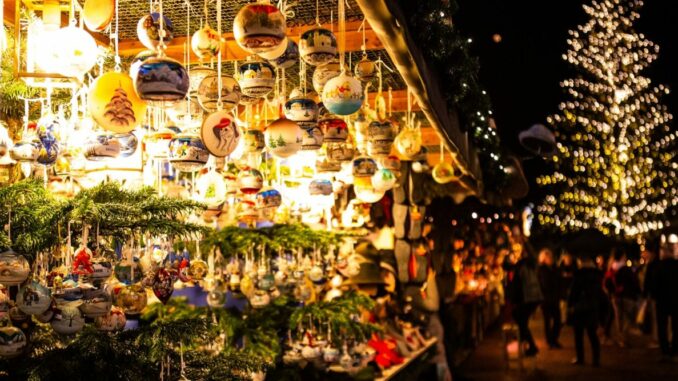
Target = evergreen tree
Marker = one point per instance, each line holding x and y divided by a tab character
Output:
616	166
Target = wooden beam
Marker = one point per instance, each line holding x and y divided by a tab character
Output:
232	52
398	101
8	7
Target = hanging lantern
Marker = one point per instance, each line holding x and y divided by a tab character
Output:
408	142
259	27
205	42
161	79
322	74
250	181
343	95
268	198
12	342
208	93
114	103
383	180
148	30
318	46
289	57
138	60
302	111
187	153
364	167
101	147
98	14
366	69
312	139
334	129
220	134
254	141
76	53
33	298
256	78
283	138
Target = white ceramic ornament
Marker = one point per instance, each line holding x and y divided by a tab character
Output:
68	320
343	95
205	42
220	134
283	138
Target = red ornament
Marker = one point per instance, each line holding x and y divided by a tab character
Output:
82	264
163	285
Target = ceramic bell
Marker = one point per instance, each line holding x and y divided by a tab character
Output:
259	27
364	167
318	46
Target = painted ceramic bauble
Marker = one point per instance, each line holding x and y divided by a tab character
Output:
318	46
312	139
186	114
256	78
320	187
283	138
98	14
247	100
25	151
132	299
274	53
114	320
340	152
444	173
163	285
14	268
138	60
208	93
96	302
260	299
77	52
148	30
196	76
211	189
330	354
322	74
259	27
408	142
101	147
391	163
383	180
254	141
334	129
246	211
324	165
12	342
302	111
205	42
379	148
289	57
220	134
103	269
33	298
114	103
67	320
269	198
366	69
161	79
157	143
364	167
367	194
381	131
187	153
250	181
343	95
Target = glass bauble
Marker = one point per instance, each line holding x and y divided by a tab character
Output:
366	69
148	30
289	57
334	129
128	272
114	320
275	53
33	298
250	181
216	298
318	46
96	302
283	138
246	211
205	42
132	299
269	198
256	78
114	103
14	268
103	269
163	285
302	111
343	95
208	93
67	320
364	167
322	74
260	299
101	147
211	189
187	153
98	14
161	79
259	27
220	134
312	139
198	269
12	342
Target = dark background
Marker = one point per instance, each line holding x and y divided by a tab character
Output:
522	72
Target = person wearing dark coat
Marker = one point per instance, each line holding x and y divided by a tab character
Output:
525	295
585	308
549	280
662	285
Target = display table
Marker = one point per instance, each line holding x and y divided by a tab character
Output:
394	370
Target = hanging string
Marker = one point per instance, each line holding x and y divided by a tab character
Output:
342	33
219	101
117	67
317	12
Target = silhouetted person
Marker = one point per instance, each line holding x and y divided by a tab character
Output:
662	285
585	308
549	280
526	295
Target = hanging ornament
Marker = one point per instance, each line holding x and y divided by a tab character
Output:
96	302
318	46
76	53
254	141
268	198
343	95
259	27
149	30
163	285
211	189
275	53
444	173
289	57
101	147
114	103
320	187
205	42
197	75
366	69
216	298
391	163
25	151
103	269
132	299
12	342
186	114
208	93
250	181
67	320
383	180
220	134
82	264
161	79
312	139
187	152
364	167
302	111
340	152
334	129
367	193
256	78
33	298
283	138
98	14
408	142
322	74
198	269
138	60
114	320
157	143
380	137
323	164
14	268
246	211
260	299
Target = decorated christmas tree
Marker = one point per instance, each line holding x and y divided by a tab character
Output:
615	169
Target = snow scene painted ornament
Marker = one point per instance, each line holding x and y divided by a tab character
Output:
322	74
101	147
343	95
254	141
25	151
137	61
303	111
340	152
205	42
114	320
12	342
364	167
96	302
366	69
148	30
67	320
98	14
318	46
259	27
14	268
334	129
187	152
208	93
269	198
256	78
250	181
33	298
312	139
283	138
114	103
320	187
220	134
162	79
197	74
288	58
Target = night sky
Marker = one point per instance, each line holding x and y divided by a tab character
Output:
523	71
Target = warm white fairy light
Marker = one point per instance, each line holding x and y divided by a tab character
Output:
616	169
